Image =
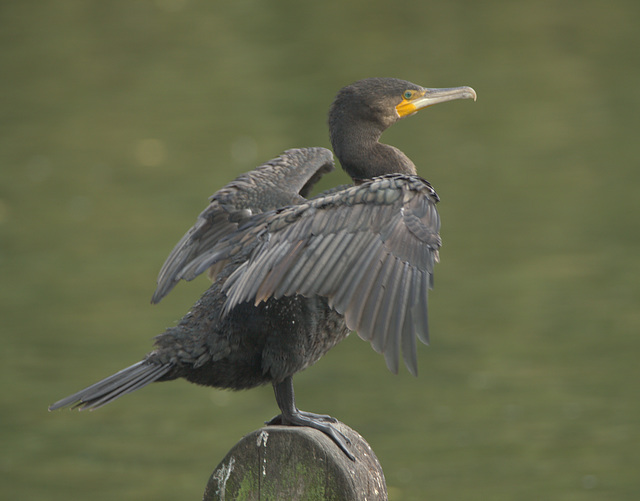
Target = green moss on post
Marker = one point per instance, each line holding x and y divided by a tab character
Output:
296	463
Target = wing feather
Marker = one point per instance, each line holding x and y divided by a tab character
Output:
373	295
280	182
359	302
333	275
369	249
345	297
398	320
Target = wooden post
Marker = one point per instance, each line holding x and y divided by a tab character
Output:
297	463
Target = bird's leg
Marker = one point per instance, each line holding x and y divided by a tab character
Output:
291	416
285	398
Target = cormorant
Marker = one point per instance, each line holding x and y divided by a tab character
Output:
293	276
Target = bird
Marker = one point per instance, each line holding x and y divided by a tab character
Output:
293	275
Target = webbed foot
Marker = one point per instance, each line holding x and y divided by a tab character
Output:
291	416
318	422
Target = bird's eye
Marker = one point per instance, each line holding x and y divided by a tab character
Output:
407	94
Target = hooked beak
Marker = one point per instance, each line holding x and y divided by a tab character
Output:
428	97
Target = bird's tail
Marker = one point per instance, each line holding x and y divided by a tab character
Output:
123	382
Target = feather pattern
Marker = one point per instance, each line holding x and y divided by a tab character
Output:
280	182
369	249
127	380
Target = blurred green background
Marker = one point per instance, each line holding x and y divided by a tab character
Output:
118	119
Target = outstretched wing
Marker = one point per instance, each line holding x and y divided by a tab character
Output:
370	249
282	181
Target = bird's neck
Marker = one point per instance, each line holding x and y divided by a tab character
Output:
362	156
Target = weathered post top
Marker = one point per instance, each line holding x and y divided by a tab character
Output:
297	463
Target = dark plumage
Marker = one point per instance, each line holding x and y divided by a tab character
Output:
291	276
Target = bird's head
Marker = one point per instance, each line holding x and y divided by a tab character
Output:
384	101
363	110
